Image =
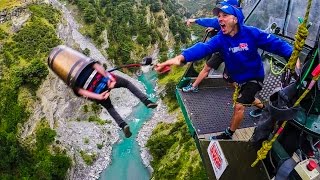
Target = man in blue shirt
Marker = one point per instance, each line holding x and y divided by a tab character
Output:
238	45
213	21
215	60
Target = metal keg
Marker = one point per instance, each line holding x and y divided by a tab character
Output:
68	63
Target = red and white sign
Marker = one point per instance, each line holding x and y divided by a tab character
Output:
218	161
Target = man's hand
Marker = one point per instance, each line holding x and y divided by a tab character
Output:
160	67
104	95
112	80
111	84
190	22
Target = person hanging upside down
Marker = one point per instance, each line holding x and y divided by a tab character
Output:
95	83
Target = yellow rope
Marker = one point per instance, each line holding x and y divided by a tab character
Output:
300	38
235	94
274	71
267	145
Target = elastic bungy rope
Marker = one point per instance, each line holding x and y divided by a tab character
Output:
267	145
300	38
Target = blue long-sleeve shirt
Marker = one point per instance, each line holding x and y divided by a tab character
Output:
213	21
240	52
209	22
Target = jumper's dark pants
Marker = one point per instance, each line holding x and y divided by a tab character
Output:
121	82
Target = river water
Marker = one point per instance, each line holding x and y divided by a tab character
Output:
126	160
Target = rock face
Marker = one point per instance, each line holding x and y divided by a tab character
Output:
7	15
161	115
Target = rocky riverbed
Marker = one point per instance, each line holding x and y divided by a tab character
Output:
161	115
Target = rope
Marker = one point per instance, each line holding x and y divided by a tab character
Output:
235	94
300	39
273	69
267	145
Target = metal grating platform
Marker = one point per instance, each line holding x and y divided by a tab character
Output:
270	83
210	110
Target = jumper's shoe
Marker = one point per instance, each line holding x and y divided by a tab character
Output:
190	88
256	113
227	134
126	131
150	104
224	135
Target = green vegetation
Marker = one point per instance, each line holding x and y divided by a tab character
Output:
94	107
9	4
23	64
129	33
85	108
97	120
88	158
174	153
169	81
99	146
193	8
3	34
86	140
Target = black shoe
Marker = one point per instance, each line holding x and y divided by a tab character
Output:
221	136
126	131
256	113
150	104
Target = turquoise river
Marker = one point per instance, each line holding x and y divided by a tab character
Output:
126	160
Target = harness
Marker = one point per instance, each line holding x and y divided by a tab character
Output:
102	84
96	82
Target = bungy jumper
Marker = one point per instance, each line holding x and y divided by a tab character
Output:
68	64
283	143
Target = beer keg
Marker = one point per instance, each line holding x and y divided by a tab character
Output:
68	63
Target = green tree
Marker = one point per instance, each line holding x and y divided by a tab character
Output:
61	163
90	14
98	28
175	154
44	137
155	6
86	52
3	34
33	74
